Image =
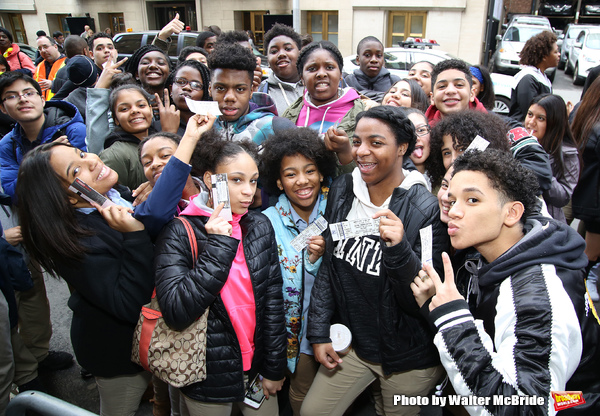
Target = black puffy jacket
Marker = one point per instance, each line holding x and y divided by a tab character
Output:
586	197
405	341
184	293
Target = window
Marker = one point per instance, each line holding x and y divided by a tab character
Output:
128	43
254	21
323	26
402	25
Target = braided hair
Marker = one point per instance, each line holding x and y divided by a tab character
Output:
313	46
134	60
400	125
204	74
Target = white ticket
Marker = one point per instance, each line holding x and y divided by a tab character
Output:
316	228
203	107
354	228
478	143
220	193
426	244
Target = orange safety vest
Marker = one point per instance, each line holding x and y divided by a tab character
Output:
40	74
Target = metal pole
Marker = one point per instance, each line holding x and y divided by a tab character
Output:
296	15
43	404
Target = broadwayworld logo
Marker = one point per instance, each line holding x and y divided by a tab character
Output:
565	399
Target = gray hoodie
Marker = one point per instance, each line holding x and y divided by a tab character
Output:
283	93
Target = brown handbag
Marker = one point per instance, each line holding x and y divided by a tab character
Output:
175	357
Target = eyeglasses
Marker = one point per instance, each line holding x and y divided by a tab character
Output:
182	82
15	97
422	130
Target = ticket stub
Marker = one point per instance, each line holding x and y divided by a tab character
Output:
354	228
220	193
316	228
89	194
478	143
426	245
203	107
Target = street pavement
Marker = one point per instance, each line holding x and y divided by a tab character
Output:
68	384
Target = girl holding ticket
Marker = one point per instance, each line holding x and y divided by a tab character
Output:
236	276
364	281
297	167
105	255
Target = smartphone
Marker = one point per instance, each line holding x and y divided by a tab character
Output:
255	395
89	194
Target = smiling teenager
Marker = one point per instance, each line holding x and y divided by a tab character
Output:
406	93
283	84
371	79
372	274
452	87
105	255
297	167
130	106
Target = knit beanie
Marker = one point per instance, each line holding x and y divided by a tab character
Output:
82	71
7	33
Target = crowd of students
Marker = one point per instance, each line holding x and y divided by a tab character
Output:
511	315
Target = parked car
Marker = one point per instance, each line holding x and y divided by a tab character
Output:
570	33
127	43
556	8
399	60
506	58
528	19
585	54
590	7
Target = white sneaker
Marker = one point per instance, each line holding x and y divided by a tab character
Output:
592	290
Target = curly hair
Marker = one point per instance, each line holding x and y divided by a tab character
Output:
279	29
463	126
507	175
212	150
233	36
188	50
133	62
202	36
397	121
537	48
313	46
447	64
204	75
95	36
297	141
557	130
232	56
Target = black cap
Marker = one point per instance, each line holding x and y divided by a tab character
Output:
82	71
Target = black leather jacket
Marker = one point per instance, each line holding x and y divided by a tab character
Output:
184	293
405	340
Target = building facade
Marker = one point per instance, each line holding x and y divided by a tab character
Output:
457	25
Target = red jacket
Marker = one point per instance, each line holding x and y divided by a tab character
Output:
17	59
434	115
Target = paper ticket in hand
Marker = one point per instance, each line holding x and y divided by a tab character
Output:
426	244
354	228
478	143
316	228
220	193
203	107
89	194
